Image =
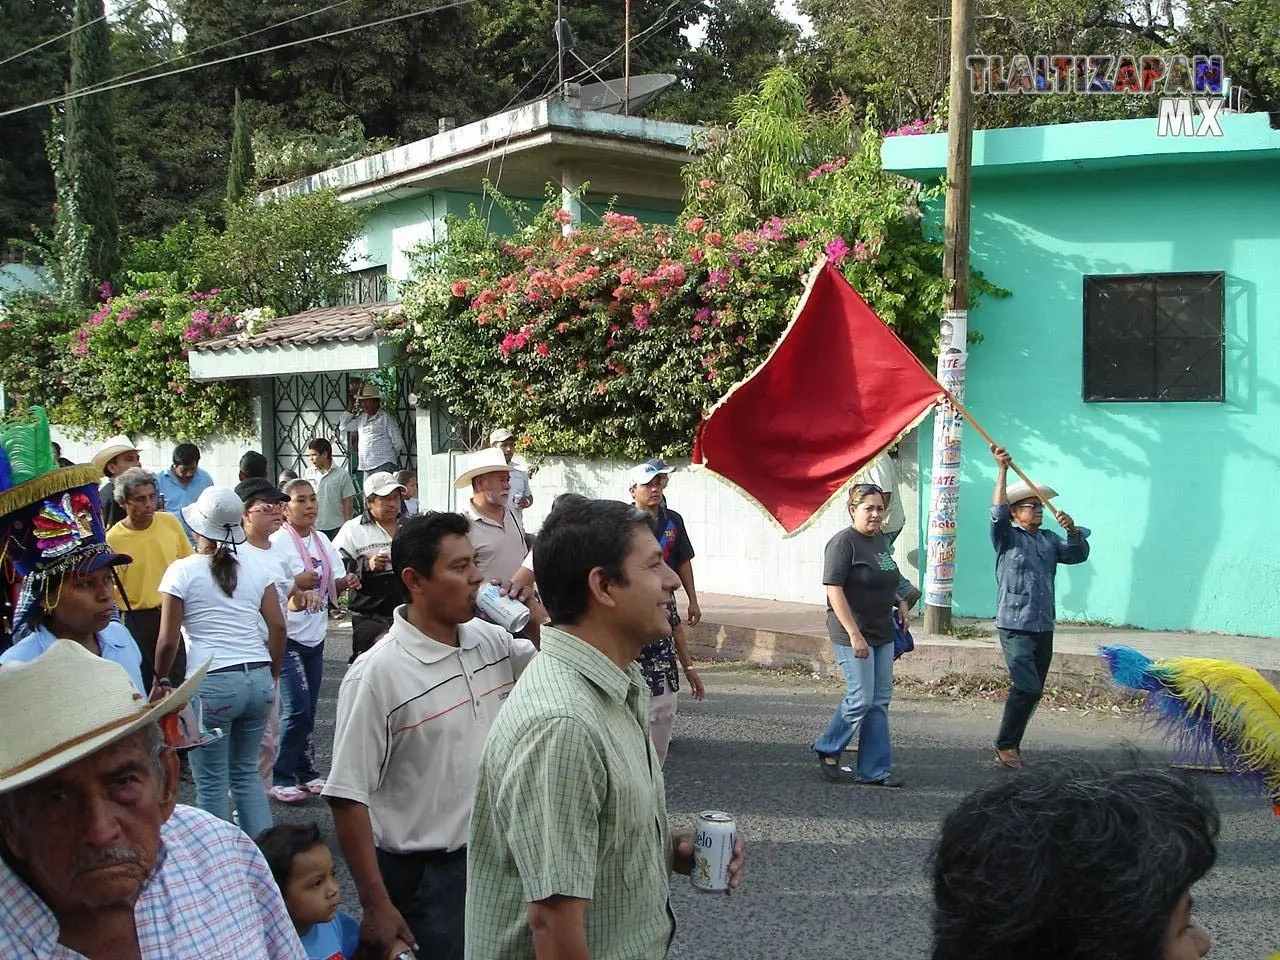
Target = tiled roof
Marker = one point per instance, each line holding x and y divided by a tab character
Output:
322	325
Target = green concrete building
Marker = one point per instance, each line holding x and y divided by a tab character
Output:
1136	366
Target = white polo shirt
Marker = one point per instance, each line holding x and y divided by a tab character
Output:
413	714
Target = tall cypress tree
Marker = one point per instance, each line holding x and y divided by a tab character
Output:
241	173
90	146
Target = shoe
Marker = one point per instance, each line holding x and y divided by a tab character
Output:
886	782
315	786
1010	758
290	795
832	770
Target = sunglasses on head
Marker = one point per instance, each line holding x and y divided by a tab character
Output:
867	488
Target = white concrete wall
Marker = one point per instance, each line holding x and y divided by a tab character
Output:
220	456
739	550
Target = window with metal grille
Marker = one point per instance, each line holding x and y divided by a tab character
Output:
364	286
1154	337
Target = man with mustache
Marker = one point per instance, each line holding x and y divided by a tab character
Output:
97	858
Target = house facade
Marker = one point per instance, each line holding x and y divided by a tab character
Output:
1136	366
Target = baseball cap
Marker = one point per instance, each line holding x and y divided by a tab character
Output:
260	488
500	435
645	472
380	484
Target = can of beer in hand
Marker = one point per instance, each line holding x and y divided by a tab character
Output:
511	615
712	850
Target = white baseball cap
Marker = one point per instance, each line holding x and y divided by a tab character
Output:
501	435
381	484
645	472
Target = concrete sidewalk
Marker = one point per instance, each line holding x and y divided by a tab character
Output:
778	634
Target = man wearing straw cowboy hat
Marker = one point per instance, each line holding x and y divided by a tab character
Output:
116	456
98	858
1027	559
381	445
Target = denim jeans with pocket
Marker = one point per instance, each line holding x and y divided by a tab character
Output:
1028	656
238	702
863	712
300	676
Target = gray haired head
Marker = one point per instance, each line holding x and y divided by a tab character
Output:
129	481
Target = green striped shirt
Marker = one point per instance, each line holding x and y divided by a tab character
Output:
570	802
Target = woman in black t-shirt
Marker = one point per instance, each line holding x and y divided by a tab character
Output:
862	582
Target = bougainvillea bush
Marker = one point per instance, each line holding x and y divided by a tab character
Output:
612	339
130	358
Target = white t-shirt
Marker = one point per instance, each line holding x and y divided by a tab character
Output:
229	629
277	564
307	627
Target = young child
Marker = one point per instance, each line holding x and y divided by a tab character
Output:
303	868
409	479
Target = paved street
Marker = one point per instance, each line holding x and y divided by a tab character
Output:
841	872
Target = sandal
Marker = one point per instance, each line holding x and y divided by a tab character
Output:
314	786
289	795
1010	759
832	770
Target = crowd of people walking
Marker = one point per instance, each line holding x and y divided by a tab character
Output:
494	794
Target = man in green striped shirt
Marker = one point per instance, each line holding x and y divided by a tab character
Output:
570	853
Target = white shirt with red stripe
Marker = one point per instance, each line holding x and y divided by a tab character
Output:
413	715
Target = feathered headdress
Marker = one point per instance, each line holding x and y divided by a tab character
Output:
1215	709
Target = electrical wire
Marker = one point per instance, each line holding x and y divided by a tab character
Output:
221	43
77	94
61	36
637	40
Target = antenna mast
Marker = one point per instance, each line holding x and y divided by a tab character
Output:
626	59
560	48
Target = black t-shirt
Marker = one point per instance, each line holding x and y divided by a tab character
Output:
668	527
863	566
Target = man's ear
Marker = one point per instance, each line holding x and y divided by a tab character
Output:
169	797
601	587
411	579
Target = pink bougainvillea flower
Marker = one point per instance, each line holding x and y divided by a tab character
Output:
542	349
695	224
702	316
719	278
459	288
713	238
837	250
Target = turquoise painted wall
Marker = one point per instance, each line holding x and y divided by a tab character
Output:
1180	496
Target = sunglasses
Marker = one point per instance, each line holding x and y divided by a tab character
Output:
867	488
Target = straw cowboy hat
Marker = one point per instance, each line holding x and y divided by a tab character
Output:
114	447
369	391
66	704
478	464
1021	491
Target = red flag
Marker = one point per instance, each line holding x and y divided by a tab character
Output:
837	389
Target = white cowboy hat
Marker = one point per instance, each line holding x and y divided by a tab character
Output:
382	483
216	515
114	447
478	464
369	391
1021	491
66	704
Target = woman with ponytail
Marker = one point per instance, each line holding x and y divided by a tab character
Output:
218	604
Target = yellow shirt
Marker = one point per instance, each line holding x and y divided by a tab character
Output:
152	550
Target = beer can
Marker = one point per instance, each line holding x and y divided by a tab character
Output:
511	615
712	851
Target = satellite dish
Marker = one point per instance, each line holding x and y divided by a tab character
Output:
608	97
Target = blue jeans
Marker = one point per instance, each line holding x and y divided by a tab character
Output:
238	702
1028	656
300	676
864	711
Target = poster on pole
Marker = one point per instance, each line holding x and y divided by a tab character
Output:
948	429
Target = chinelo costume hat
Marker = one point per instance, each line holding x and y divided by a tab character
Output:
50	516
43	731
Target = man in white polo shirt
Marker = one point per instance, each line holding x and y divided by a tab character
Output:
413	714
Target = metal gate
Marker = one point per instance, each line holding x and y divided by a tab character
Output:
307	406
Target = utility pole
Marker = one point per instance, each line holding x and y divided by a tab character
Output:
560	51
940	569
626	58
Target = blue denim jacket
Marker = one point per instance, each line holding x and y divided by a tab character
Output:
1026	564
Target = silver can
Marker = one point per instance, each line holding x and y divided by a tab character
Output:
511	615
712	850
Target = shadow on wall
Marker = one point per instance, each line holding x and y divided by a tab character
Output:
1148	478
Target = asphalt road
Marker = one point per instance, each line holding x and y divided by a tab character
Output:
837	871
